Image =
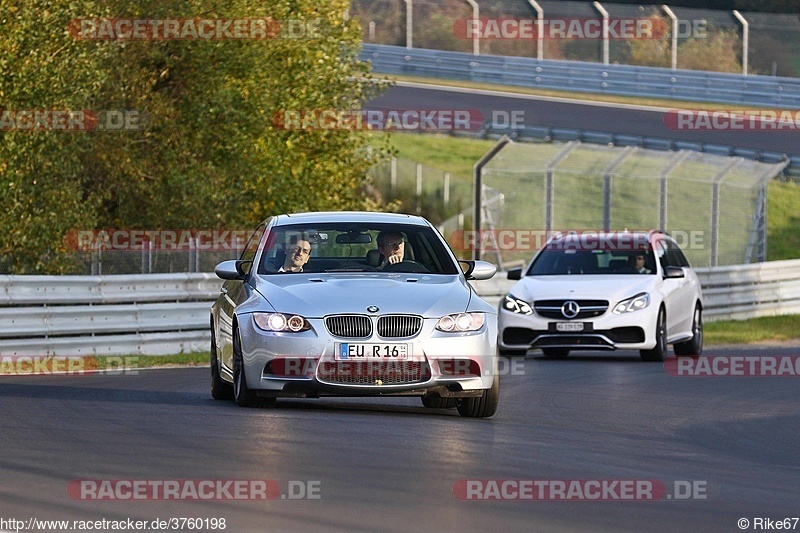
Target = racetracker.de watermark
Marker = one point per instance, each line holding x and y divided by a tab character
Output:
66	365
530	240
575	28
726	366
579	489
202	29
732	119
162	239
193	489
378	119
384	370
28	120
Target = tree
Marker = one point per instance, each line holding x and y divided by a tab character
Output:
208	154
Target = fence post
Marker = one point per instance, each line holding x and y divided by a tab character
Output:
476	43
539	29
605	30
419	188
662	200
192	253
758	230
549	184
409	24
674	37
607	182
393	175
715	185
745	40
477	187
96	268
446	192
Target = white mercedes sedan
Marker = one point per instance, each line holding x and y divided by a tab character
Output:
604	291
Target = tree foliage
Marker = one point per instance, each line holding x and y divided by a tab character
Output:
208	154
718	50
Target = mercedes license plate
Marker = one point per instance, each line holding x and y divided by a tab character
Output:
569	326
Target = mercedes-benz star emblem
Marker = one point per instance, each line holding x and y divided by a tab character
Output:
570	309
372	308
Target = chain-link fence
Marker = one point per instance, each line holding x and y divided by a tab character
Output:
148	260
713	205
706	39
421	189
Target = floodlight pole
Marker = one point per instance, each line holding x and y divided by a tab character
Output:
476	43
539	29
745	40
409	24
674	20
605	30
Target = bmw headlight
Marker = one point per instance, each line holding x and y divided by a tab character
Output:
461	322
281	322
640	301
515	305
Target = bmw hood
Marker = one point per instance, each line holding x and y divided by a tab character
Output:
317	295
614	287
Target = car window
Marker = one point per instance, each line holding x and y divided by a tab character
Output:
662	255
250	249
675	254
556	260
351	247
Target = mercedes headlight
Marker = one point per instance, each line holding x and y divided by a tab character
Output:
515	305
640	301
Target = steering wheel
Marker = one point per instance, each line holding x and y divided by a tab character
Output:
407	265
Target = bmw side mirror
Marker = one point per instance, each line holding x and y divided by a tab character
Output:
478	270
231	270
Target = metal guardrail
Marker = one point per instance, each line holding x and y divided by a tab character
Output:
623	80
747	291
150	314
159	314
50	290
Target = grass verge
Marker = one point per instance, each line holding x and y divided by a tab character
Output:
113	362
752	331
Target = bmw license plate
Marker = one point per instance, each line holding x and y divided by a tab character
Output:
569	326
349	351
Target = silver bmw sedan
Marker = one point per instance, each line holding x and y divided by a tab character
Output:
353	304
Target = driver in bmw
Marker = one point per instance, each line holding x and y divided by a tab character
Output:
297	255
392	247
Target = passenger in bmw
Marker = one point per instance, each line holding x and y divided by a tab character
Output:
297	254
